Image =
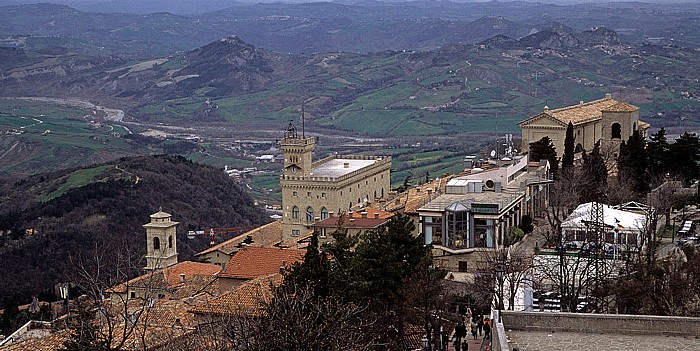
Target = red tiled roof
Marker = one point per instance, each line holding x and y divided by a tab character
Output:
247	298
360	223
169	277
51	342
266	235
252	262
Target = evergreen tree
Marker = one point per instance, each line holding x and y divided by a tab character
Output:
632	162
567	160
685	153
594	182
544	149
658	153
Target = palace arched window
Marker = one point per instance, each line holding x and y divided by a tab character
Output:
295	212
616	131
309	214
324	213
579	148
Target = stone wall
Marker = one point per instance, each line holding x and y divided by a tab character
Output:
601	323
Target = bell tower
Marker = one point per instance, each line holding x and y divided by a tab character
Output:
161	241
297	153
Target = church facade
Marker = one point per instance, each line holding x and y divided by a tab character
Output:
606	120
313	191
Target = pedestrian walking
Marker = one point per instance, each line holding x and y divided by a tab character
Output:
468	316
460	332
487	330
474	329
480	325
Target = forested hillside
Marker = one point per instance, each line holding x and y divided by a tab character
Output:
77	213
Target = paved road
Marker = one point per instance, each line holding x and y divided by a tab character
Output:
543	341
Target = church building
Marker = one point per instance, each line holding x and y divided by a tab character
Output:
312	191
606	120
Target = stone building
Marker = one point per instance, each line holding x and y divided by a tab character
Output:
161	245
313	190
606	120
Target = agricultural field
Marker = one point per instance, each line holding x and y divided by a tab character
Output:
39	136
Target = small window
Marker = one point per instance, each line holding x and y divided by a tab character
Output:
133	294
308	194
323	233
156	243
462	266
616	131
295	212
324	194
161	296
295	232
170	242
294	193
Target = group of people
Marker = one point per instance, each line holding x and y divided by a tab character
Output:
477	325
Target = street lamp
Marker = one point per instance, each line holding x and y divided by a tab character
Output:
500	273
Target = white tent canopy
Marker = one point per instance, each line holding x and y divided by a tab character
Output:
613	218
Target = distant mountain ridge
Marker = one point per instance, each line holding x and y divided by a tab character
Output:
331	27
559	37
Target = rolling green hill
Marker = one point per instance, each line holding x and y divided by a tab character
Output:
78	213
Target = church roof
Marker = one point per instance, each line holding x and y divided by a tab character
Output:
584	111
621	107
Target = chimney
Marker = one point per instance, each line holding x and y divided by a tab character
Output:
580	102
346	164
546	108
330	214
608	96
364	214
182	277
376	215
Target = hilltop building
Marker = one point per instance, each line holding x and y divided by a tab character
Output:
476	210
606	120
311	191
161	245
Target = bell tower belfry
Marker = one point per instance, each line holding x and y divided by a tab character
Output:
161	241
297	153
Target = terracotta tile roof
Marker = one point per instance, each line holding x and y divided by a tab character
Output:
196	285
51	342
581	113
643	125
247	298
351	223
300	242
584	112
169	278
621	107
266	235
375	212
414	198
252	262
